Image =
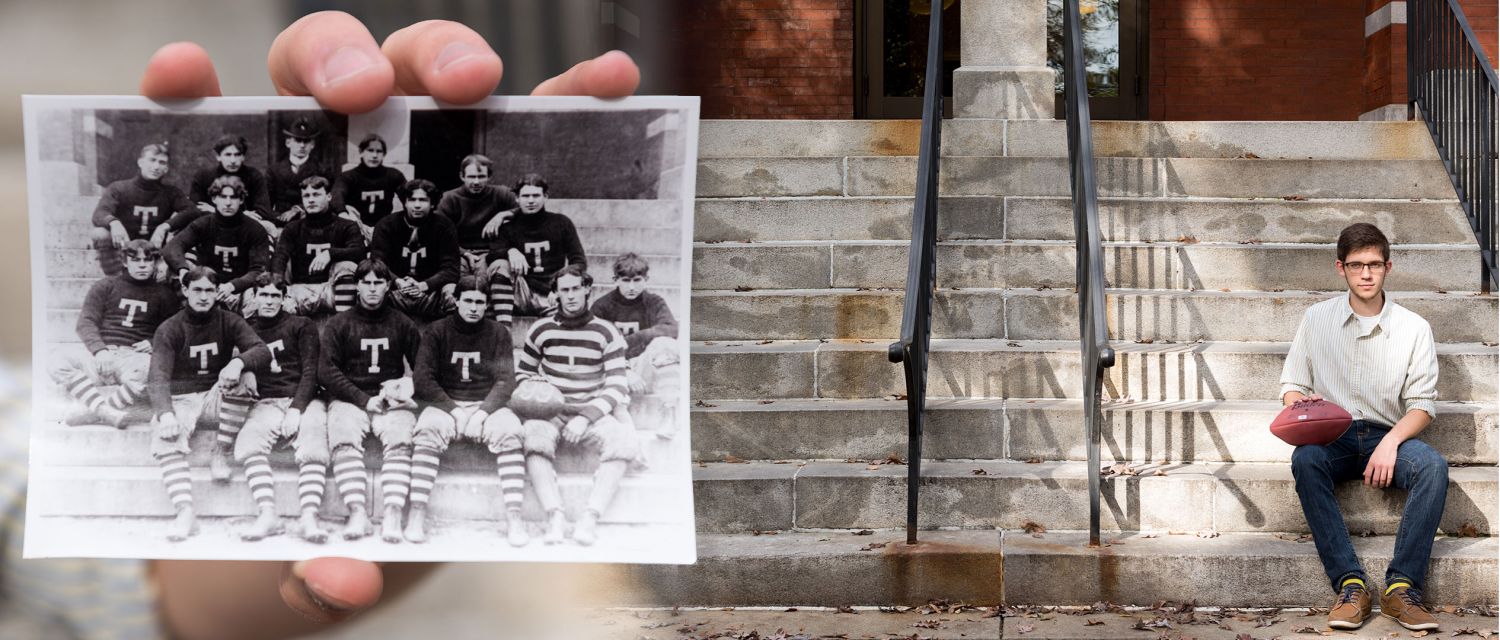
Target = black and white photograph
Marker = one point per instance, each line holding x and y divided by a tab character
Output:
265	331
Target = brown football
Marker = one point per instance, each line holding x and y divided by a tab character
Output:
1311	422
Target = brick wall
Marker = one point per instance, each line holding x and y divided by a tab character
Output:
1256	59
1385	52
770	58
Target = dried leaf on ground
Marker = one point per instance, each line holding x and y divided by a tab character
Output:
1034	460
1012	344
1119	468
1025	628
864	532
762	532
1187	239
894	459
846	609
734	460
1145	341
1033	527
1159	472
1468	530
980	472
1304	629
743	288
1092	623
1208	533
1250	156
765	342
1295	198
928	624
701	403
767	401
873	546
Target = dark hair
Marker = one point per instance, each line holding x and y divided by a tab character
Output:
532	180
373	138
468	283
226	141
375	266
266	281
195	274
1363	235
141	247
314	182
477	159
159	148
576	269
227	182
412	186
631	265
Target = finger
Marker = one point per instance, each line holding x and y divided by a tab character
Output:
330	55
443	59
611	75
330	589
180	70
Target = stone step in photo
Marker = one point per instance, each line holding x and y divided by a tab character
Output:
853	369
981	137
1038	429
1154	219
990	567
1048	176
1051	314
1242	497
1009	264
138	491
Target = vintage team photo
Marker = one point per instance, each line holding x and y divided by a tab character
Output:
268	331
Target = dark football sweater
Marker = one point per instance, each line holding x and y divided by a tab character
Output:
284	184
427	251
119	312
305	237
236	247
190	348
360	349
641	320
142	205
470	212
372	192
548	240
467	362
255	186
292	370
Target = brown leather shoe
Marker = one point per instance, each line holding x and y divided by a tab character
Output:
1351	609
1404	605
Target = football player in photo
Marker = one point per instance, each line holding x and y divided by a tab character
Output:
650	332
229	160
316	255
285	177
533	246
228	241
139	208
476	208
422	252
366	194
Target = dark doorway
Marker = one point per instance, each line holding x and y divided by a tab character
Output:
440	140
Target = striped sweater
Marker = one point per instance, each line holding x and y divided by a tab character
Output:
584	357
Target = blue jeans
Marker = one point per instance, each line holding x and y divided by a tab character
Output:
1420	470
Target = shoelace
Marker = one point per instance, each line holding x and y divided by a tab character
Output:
1413	598
1349	593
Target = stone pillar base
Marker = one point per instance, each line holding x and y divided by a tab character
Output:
1386	113
1011	93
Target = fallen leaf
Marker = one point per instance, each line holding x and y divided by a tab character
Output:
1145	341
1208	533
846	609
894	459
1032	527
1092	623
1012	344
791	609
1295	198
1468	530
760	532
1160	472
1025	628
1419	634
743	288
764	342
701	403
1034	460
1304	629
734	460
864	532
980	472
873	546
928	624
767	401
1187	239
1250	156
1120	469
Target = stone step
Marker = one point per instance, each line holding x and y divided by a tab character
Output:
137	491
1032	369
1129	265
98	445
1029	314
970	137
1044	176
989	567
1051	218
1243	497
1040	429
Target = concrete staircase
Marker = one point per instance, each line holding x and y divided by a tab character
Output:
1218	236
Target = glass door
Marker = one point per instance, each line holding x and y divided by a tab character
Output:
1115	43
891	56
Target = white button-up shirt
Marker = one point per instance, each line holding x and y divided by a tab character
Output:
1378	375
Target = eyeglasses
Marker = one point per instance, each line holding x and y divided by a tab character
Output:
1374	267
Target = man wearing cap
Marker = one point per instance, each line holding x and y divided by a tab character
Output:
286	176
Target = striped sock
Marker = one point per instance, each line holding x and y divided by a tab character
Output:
84	389
512	467
262	485
125	395
233	411
349	475
395	476
311	482
177	477
424	472
502	300
344	291
109	257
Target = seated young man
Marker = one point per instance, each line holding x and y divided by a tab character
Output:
286	411
229	242
140	208
1376	359
195	378
316	255
119	316
364	353
533	246
650	332
464	376
285	178
366	194
584	357
229	160
477	209
422	252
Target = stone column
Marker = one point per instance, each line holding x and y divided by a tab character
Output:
1004	71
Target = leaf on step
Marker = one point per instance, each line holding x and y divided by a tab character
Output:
1090	622
1419	634
1119	468
1225	290
1367	533
1159	472
980	472
767	401
1025	628
1043	288
760	532
1250	156
894	459
1034	460
1145	341
1187	239
1441	291
1032	527
897	396
1468	530
1012	344
864	532
743	288
1304	629
1208	533
873	546
734	460
846	609
701	403
1295	198
1252	241
1294	537
928	624
764	342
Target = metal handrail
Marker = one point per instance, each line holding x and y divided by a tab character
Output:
1093	335
1453	88
916	314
